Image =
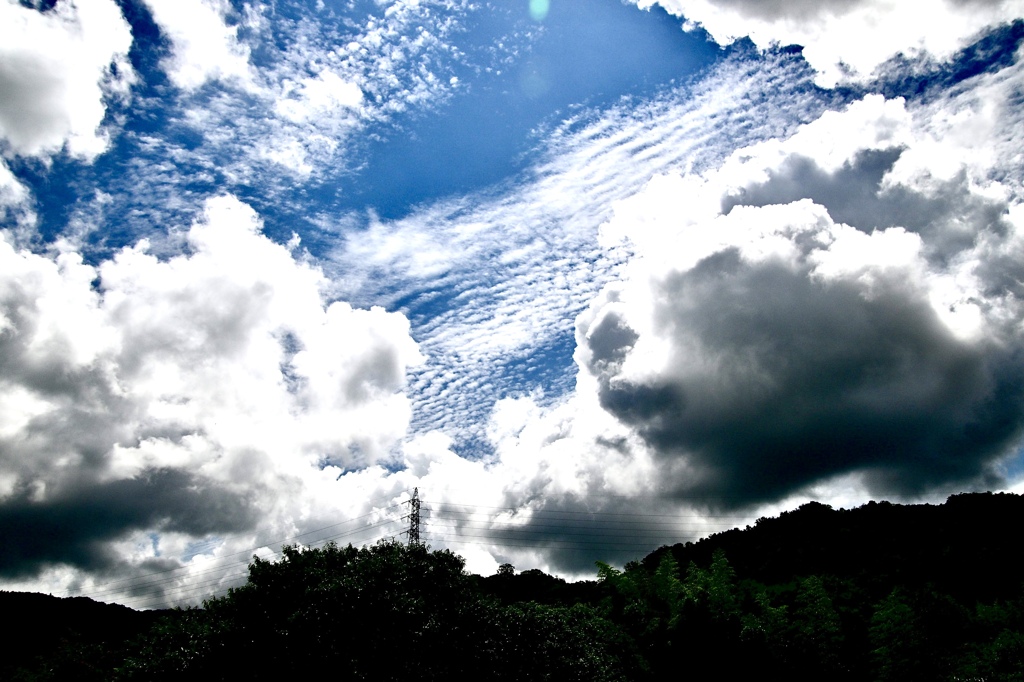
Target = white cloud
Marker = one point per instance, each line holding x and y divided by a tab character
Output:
318	96
317	113
978	125
847	39
14	199
889	293
815	281
223	380
204	47
56	69
213	393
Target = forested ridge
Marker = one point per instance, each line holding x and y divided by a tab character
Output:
880	592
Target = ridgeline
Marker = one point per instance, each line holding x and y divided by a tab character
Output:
880	592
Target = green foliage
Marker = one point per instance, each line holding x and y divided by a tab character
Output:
765	626
816	631
713	591
385	612
919	635
71	638
182	643
895	638
996	650
558	643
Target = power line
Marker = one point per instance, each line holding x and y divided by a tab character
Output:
589	512
639	526
201	591
221	570
580	531
137	582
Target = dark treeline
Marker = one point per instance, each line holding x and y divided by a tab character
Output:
74	638
881	592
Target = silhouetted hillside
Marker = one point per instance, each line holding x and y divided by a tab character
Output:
968	547
72	638
881	592
535	585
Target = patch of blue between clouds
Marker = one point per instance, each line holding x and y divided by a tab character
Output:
905	78
583	53
67	183
197	548
1014	468
547	366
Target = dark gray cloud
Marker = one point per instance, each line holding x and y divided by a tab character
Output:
949	219
74	527
146	404
610	341
572	530
780	380
808	10
577	530
774	10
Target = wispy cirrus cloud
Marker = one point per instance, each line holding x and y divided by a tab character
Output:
493	280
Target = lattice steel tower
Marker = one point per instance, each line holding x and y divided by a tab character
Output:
414	517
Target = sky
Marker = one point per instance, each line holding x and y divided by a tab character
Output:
591	276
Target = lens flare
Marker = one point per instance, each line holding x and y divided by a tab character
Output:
539	9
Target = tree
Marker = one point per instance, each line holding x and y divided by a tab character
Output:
816	631
918	635
385	612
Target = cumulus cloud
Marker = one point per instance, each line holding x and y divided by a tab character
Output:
14	199
847	39
203	46
215	392
57	69
318	96
808	311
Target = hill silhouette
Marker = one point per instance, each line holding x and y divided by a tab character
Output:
880	592
967	547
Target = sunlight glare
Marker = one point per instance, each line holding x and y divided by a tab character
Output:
539	9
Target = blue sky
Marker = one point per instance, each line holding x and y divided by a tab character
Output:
592	276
